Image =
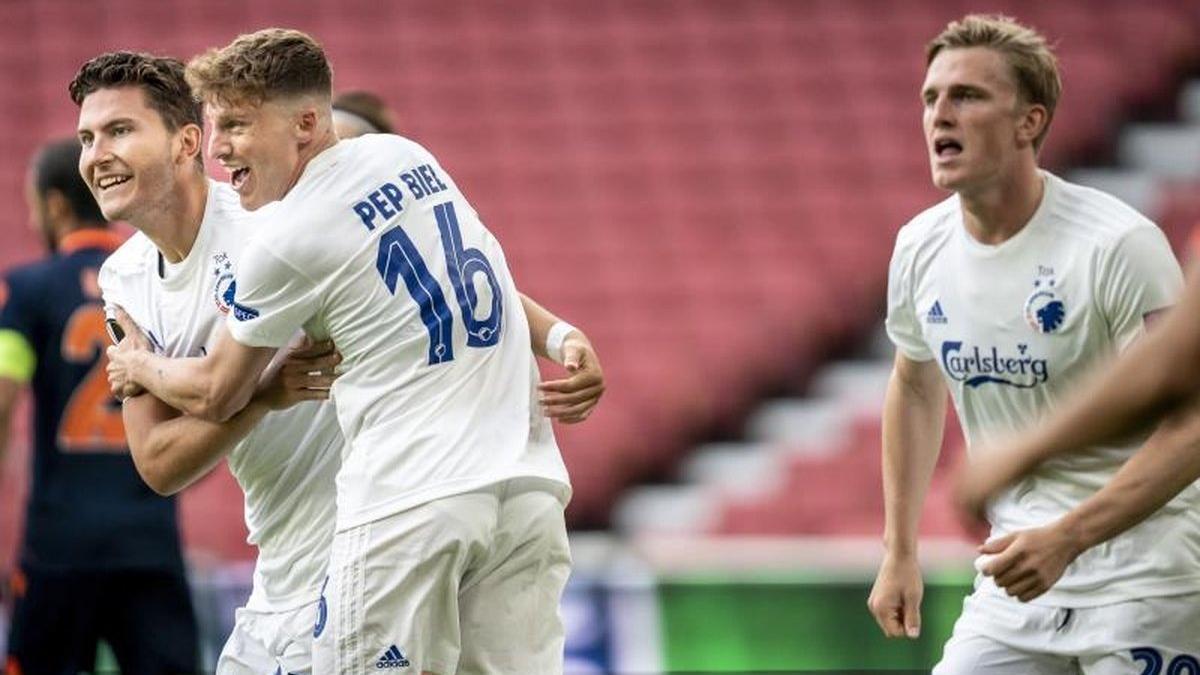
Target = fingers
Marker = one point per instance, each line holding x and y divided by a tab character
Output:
571	414
309	349
888	616
325	362
1027	588
580	380
998	544
912	615
571	398
1015	575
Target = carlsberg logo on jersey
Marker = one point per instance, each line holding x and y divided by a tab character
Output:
975	366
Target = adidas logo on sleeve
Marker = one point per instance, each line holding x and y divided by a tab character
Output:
392	658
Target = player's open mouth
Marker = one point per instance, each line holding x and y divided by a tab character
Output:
238	178
112	181
946	147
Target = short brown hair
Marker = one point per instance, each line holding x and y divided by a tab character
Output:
1032	61
161	78
369	107
270	63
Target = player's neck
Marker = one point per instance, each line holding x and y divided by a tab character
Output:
996	214
327	140
174	224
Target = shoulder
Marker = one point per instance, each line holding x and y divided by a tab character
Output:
134	259
927	229
1096	215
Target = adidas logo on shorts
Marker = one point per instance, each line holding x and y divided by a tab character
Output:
392	658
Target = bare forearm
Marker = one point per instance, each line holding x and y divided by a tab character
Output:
183	384
1161	469
176	452
912	437
540	320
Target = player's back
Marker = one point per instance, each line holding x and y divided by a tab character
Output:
87	506
377	248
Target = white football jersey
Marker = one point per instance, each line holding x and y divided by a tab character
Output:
1013	327
377	248
288	463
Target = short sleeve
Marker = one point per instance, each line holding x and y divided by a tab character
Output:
1138	278
272	299
903	327
18	360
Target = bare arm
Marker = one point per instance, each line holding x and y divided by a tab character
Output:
570	399
1152	379
1028	563
540	320
213	387
171	450
914	412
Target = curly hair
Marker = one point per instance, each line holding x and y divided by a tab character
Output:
160	77
270	63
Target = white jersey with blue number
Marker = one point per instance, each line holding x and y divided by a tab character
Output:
377	248
1013	327
288	463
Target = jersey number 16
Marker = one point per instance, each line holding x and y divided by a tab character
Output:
399	259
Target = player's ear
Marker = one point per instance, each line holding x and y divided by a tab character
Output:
306	121
189	139
1032	122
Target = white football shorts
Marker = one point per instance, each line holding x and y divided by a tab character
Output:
263	643
999	635
467	584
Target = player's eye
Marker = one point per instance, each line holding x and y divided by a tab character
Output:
85	140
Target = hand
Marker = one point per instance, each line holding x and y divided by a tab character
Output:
306	374
1027	563
122	357
572	399
895	600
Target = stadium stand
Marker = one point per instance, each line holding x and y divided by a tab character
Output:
709	188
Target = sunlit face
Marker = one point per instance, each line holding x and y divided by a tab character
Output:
258	144
126	158
972	113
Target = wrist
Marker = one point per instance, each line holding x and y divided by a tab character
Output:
555	338
1071	531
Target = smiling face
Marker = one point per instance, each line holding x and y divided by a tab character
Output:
260	146
975	123
127	158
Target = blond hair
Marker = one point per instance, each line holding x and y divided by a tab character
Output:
1033	64
267	64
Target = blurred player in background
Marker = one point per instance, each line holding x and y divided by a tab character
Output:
100	557
1007	292
360	112
450	456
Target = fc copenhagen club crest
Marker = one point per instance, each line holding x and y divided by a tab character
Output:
223	284
1045	311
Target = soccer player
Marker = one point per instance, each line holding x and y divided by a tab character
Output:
141	128
1006	292
450	553
100	557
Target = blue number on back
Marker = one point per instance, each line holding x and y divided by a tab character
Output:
462	264
1150	657
398	258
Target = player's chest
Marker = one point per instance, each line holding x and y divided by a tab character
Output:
1017	324
183	316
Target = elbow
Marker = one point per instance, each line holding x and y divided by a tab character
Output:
157	476
218	403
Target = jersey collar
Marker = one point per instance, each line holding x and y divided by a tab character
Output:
89	237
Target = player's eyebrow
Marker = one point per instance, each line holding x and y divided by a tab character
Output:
107	125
